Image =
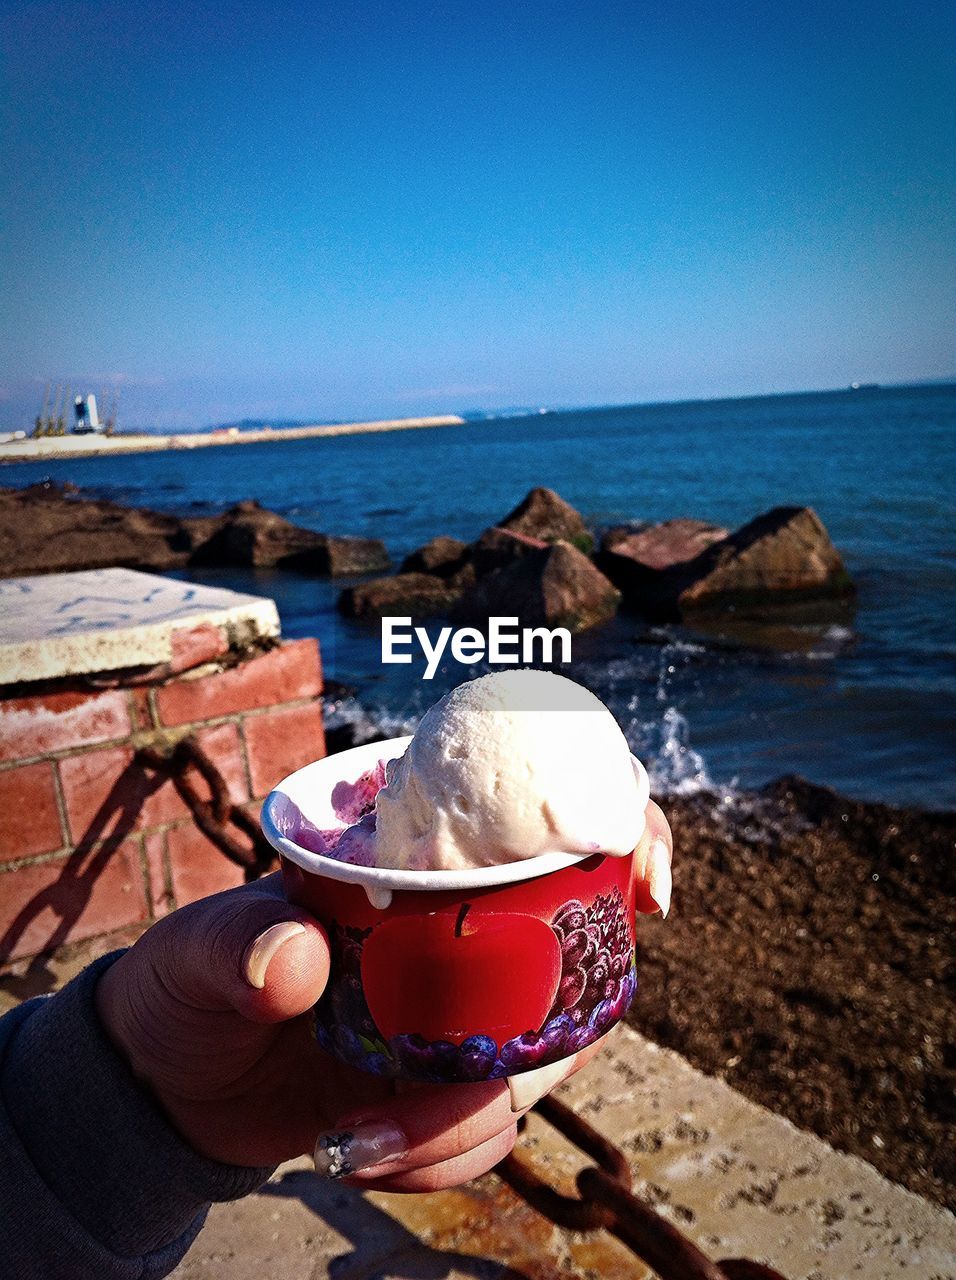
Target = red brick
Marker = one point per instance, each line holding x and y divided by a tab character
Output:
141	714
222	744
103	792
29	817
159	896
281	675
198	868
281	741
58	721
194	645
47	904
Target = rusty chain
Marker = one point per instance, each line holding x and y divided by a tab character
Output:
214	817
606	1201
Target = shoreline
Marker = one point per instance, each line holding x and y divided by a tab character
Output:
53	448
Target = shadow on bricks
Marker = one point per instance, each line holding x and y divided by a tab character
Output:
377	1238
68	896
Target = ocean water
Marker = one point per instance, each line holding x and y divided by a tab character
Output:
865	703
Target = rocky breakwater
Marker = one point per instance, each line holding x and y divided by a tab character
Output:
55	529
539	564
533	565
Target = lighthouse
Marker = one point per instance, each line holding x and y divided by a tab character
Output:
87	417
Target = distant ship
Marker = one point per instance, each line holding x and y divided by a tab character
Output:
864	386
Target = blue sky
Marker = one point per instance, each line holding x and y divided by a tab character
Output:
349	210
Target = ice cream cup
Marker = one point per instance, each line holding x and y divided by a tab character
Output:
456	976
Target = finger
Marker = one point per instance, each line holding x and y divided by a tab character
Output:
652	863
448	1173
427	1126
247	949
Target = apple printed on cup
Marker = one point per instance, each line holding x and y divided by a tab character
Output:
444	977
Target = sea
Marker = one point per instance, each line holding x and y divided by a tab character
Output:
864	701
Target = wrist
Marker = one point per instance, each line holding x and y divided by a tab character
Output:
120	1014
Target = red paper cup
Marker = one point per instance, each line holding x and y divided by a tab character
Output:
455	976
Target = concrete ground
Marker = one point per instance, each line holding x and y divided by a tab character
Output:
735	1178
740	1181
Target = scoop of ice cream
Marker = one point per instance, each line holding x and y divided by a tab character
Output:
506	767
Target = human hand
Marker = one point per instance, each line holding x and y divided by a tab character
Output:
208	1009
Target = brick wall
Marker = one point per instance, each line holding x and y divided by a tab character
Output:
90	842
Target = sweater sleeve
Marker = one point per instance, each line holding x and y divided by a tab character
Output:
94	1182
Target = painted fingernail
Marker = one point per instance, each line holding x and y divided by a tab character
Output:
659	875
259	953
531	1086
339	1154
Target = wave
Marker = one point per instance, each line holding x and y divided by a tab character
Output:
366	723
663	743
660	739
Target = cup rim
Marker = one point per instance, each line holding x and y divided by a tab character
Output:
365	757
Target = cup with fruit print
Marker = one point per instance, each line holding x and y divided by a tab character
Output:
453	975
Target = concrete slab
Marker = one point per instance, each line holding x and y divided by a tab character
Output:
61	624
740	1181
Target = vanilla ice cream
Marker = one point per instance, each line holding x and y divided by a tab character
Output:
509	766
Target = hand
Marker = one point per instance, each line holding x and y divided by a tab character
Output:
207	1010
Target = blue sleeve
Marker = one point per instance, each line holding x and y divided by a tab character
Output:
94	1182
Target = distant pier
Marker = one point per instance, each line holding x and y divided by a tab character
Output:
51	448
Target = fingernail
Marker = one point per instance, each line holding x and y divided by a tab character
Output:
259	953
659	875
339	1154
531	1086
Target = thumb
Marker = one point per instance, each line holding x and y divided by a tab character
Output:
247	949
652	863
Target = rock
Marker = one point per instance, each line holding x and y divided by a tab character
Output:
418	595
635	561
353	555
555	586
497	547
661	546
783	556
45	529
250	536
543	514
443	556
616	533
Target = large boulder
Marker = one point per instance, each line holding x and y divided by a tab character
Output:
418	595
661	546
555	586
497	547
544	515
251	536
48	529
615	533
442	555
783	557
345	556
636	561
